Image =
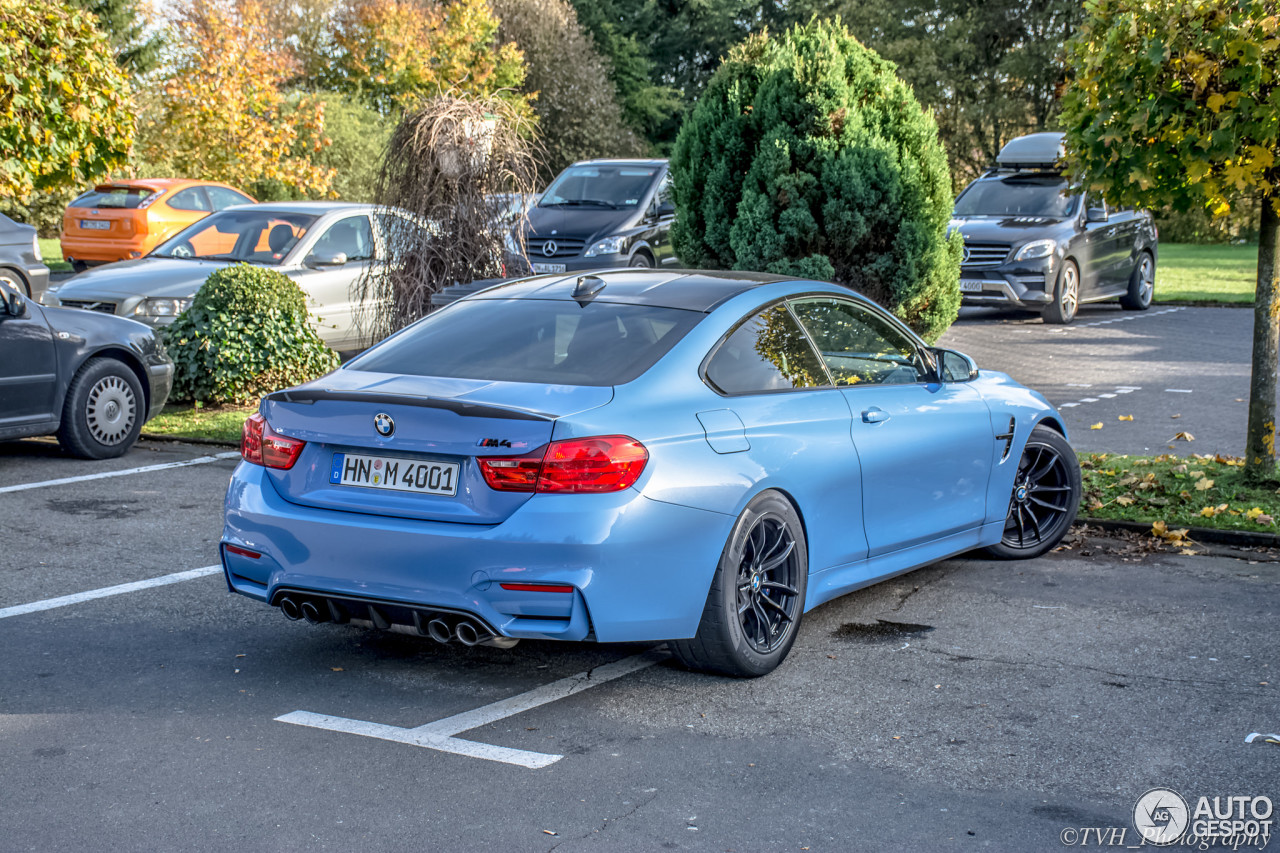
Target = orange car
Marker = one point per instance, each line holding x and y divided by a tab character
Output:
127	219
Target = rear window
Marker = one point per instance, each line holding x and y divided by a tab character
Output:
113	197
534	340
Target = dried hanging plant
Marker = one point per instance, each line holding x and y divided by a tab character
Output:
444	189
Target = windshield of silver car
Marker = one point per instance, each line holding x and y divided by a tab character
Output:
250	235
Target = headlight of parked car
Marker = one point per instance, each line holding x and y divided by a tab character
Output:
161	307
607	246
35	247
1036	249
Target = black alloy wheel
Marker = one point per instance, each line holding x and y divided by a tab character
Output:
756	600
1046	496
767	594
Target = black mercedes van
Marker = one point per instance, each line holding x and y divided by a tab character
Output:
1031	242
602	213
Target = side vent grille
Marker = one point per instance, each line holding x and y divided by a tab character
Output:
1007	438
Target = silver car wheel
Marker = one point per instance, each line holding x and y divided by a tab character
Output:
111	410
1070	296
1147	274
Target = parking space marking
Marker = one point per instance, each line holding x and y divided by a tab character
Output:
107	592
1121	389
201	460
1062	330
440	735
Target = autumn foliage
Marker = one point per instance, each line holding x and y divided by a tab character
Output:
393	53
221	114
65	115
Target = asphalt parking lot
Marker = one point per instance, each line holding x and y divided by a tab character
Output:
969	704
1170	360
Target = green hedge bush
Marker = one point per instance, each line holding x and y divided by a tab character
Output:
245	334
807	156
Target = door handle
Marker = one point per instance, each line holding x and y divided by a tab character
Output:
874	416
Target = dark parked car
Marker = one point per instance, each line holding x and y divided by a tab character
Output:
88	378
1032	242
603	213
21	266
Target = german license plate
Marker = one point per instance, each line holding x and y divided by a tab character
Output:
95	225
548	267
396	473
969	285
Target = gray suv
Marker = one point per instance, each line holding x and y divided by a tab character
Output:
1032	241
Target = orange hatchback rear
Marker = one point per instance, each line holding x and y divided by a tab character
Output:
127	219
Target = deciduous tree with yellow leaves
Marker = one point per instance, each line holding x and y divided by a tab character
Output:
220	113
1176	102
65	116
393	53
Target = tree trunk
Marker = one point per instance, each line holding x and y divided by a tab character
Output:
1260	445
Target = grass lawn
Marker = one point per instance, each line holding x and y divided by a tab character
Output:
52	252
221	423
1190	273
1190	491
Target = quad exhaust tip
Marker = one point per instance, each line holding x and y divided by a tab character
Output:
467	633
326	610
438	630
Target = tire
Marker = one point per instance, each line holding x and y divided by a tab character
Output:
103	412
753	610
641	261
1142	285
9	278
1046	496
78	267
1066	296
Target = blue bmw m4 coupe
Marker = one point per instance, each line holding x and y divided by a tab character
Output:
637	455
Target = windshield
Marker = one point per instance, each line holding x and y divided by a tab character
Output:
251	235
552	342
607	186
1018	195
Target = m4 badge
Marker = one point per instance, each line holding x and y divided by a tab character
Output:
493	442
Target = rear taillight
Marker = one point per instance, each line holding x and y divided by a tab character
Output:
262	445
607	463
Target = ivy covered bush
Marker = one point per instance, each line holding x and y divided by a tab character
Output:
807	156
245	334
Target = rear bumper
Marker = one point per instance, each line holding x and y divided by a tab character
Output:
103	249
640	569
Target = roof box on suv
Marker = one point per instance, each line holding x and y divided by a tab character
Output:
1033	151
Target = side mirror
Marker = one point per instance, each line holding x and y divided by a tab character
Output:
667	208
15	304
955	366
335	260
1096	214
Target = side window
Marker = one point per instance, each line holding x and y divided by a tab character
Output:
352	237
663	194
858	346
192	198
223	197
768	352
397	234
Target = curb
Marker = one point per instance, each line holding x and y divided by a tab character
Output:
184	439
1239	538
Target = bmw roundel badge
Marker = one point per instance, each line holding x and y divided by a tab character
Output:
383	424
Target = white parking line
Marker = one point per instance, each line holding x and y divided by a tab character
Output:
439	735
106	592
1135	316
201	460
